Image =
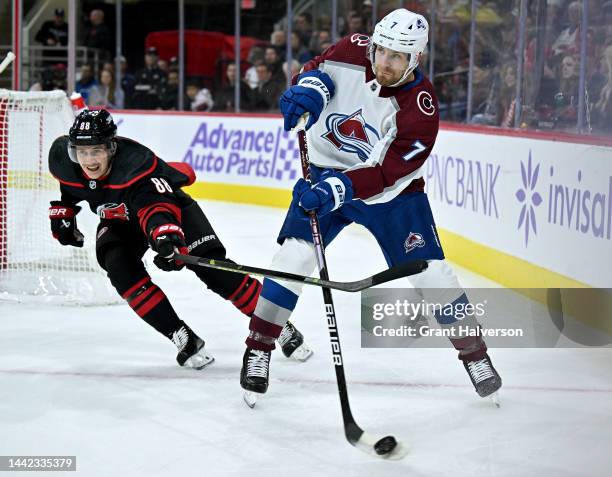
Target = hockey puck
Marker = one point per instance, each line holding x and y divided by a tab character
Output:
385	445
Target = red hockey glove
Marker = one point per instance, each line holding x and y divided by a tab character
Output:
165	240
63	223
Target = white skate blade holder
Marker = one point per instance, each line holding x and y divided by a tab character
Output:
199	361
495	399
302	353
250	398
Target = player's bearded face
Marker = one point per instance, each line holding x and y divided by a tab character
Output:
389	65
94	160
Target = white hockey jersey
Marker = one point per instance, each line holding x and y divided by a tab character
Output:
379	136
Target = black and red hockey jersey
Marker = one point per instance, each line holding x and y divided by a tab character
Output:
140	187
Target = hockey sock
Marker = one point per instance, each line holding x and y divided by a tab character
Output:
262	334
151	304
471	348
274	307
246	295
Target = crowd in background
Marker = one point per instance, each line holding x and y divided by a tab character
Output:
550	92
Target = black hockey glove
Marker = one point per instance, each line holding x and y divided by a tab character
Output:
63	223
165	239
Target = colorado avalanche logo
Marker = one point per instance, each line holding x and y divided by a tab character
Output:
350	133
414	240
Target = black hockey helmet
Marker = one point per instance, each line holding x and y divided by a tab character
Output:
91	128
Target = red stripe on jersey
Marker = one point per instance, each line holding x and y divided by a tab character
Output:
136	287
151	303
147	212
71	184
135	179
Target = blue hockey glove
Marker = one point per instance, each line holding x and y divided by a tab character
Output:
331	192
311	94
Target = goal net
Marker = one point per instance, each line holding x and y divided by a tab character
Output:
33	265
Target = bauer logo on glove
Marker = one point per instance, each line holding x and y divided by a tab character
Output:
63	223
327	195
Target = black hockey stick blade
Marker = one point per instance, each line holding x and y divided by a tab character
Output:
393	273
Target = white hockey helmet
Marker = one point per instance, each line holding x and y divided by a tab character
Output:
403	31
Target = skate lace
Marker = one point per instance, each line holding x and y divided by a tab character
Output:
480	370
180	338
257	364
286	334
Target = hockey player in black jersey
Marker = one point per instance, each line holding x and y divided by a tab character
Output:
140	203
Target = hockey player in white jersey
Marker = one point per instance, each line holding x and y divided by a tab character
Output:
373	121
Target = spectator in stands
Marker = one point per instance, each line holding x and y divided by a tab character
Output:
106	94
51	78
299	51
109	65
163	65
200	98
149	83
98	35
295	69
45	83
173	64
269	89
86	82
224	96
256	58
303	27
54	33
60	76
507	96
566	99
601	113
324	23
366	16
127	82
272	59
321	38
354	23
567	43
278	38
169	94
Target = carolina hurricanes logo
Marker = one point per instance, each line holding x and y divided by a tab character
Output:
350	133
425	103
113	211
414	240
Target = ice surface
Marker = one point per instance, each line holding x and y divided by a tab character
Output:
98	383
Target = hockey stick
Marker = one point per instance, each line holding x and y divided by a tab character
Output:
386	447
10	56
399	271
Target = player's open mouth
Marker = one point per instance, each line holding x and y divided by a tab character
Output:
94	168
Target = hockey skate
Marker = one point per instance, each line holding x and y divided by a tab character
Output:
292	343
191	352
254	374
485	379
